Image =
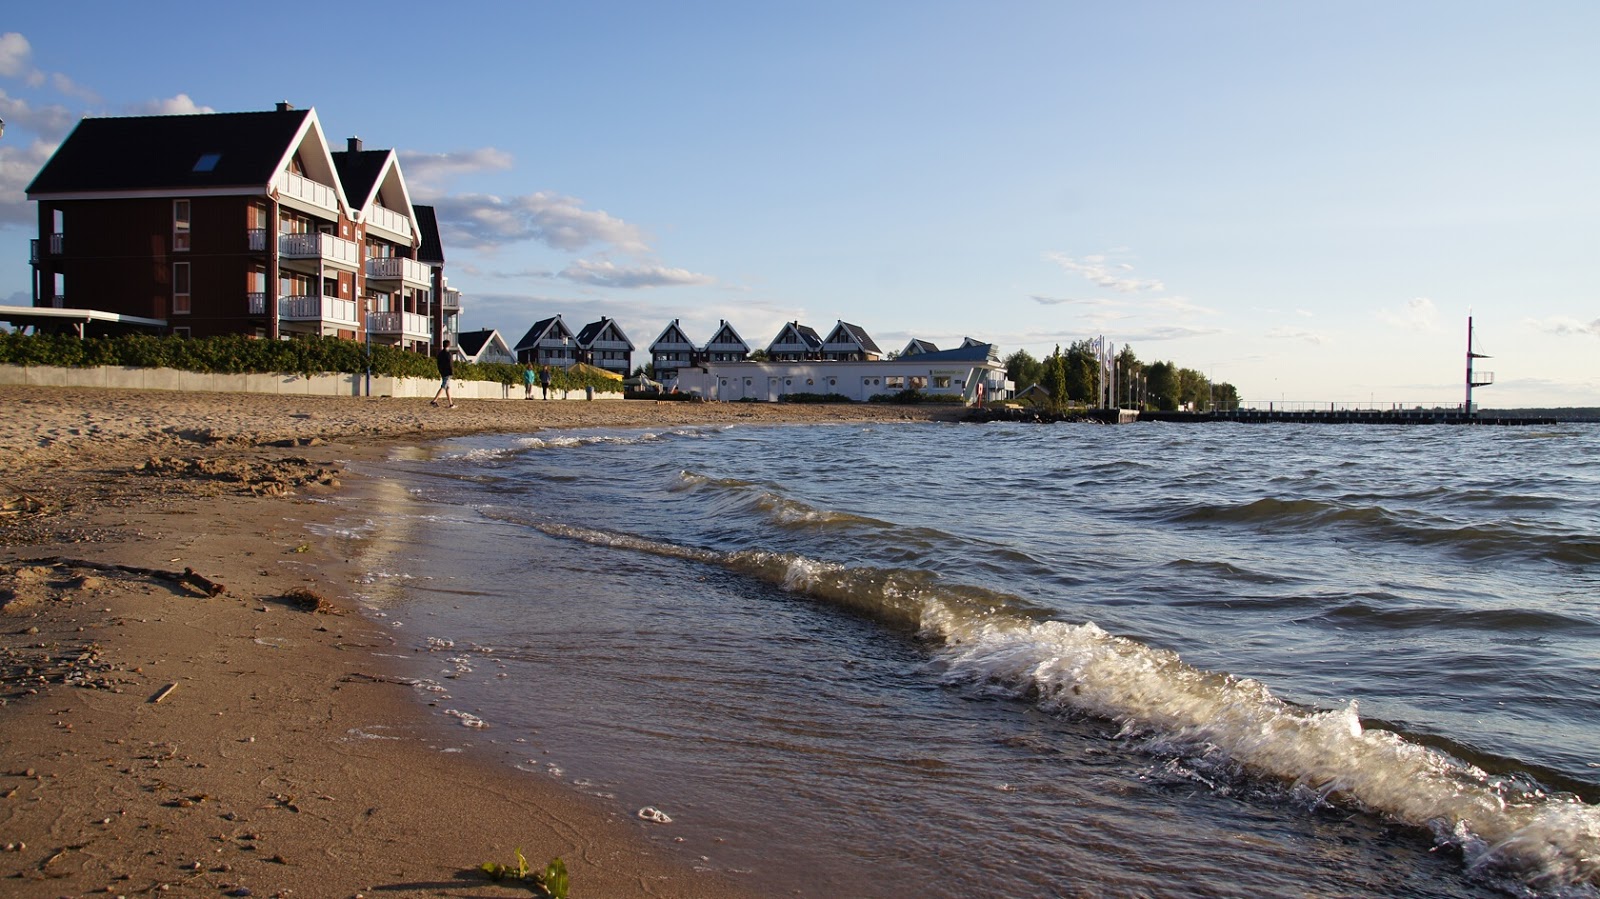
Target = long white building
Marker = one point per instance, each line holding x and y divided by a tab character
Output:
956	372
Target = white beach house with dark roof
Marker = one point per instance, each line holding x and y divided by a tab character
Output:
795	343
671	351
604	345
548	342
849	343
726	345
485	346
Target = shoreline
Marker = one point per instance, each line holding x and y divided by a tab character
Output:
290	758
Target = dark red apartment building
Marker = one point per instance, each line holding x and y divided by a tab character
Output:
239	223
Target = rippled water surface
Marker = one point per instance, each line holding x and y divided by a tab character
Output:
910	660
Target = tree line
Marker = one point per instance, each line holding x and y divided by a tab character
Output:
1071	377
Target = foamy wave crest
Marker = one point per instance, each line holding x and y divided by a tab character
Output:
765	500
1499	825
569	441
988	637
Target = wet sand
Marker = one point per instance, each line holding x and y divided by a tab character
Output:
192	704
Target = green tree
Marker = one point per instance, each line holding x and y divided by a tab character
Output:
1080	368
1226	396
1024	370
1161	385
1055	379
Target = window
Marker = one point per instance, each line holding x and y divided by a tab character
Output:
941	381
207	162
180	332
180	226
898	382
180	288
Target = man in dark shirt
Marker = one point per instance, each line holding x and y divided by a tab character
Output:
447	367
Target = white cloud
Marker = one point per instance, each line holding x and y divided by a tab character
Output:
18	167
1418	314
1098	271
182	104
1565	327
14	55
1286	333
428	173
1067	301
603	273
49	122
484	221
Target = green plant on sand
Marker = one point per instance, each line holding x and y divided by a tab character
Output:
551	882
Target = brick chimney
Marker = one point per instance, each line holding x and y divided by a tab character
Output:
285	106
353	144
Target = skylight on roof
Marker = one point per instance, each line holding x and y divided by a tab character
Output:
207	162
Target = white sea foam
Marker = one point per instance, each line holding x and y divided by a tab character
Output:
1153	693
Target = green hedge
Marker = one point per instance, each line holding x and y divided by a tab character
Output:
243	355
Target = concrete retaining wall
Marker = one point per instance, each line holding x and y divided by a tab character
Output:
293	385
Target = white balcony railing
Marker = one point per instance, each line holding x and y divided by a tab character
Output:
256	301
398	268
298	187
609	345
258	240
318	246
327	309
452	300
407	324
389	220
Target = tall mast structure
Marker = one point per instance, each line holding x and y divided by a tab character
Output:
1480	379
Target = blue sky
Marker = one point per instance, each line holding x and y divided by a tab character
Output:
1303	199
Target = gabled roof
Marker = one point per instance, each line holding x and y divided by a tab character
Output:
592	331
972	351
432	249
854	334
473	342
672	333
361	171
917	346
801	334
174	152
724	334
541	329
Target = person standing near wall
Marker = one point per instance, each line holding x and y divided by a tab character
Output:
447	367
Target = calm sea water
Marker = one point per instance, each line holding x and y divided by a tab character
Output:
921	660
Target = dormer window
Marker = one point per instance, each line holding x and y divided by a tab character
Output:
207	162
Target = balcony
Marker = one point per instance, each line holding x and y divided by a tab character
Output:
258	240
388	220
397	268
324	247
609	345
406	325
256	302
317	309
300	191
451	301
55	242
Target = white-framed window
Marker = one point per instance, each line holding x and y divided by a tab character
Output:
180	288
180	332
180	226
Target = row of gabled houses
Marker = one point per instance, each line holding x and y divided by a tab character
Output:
253	223
605	345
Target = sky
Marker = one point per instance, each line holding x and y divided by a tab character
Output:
1306	200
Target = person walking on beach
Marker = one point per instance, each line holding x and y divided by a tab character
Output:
544	380
447	367
528	376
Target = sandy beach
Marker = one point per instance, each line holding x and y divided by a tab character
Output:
193	705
